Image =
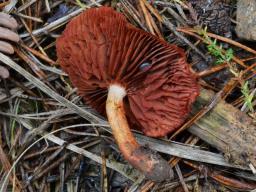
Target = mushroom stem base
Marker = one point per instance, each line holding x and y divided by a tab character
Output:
152	165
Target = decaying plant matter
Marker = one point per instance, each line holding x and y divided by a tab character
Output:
215	15
228	129
131	72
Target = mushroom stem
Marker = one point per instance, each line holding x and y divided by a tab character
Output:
152	165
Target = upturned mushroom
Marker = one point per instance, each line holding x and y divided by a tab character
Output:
126	73
7	26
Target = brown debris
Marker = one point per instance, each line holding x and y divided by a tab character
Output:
214	14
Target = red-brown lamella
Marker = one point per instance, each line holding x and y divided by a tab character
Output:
99	48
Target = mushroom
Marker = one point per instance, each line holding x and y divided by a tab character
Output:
7	25
126	73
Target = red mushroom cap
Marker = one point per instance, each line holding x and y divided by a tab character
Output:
99	48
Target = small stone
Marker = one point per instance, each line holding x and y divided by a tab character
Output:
246	19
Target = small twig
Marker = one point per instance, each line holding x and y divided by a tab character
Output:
60	21
32	36
170	26
87	115
147	17
225	180
184	186
47	5
38	54
224	39
26	5
36	19
176	16
6	165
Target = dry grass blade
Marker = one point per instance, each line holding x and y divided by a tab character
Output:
154	25
18	91
212	70
132	13
176	16
234	58
58	22
36	53
32	65
49	136
186	152
168	24
154	11
26	5
224	39
32	36
147	17
7	166
39	20
184	186
87	115
233	183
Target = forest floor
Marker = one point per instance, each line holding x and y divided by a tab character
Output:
48	141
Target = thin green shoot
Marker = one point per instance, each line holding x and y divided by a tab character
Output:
80	4
225	56
248	98
216	50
